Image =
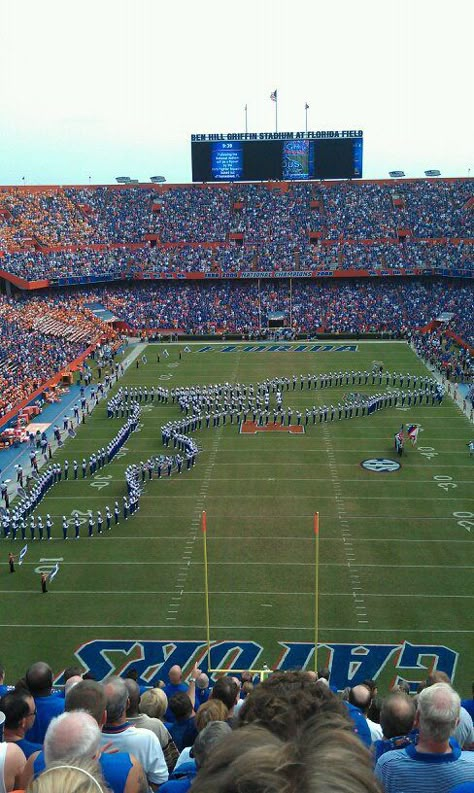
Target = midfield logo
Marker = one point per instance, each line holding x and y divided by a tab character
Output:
349	664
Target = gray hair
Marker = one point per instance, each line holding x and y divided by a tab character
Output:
117	695
438	711
71	736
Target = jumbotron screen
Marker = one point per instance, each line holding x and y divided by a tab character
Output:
227	160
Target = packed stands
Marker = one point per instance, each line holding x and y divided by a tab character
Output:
54	233
30	354
365	306
226	242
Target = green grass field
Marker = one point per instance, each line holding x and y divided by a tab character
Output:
395	551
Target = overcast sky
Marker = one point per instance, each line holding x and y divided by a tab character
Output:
101	88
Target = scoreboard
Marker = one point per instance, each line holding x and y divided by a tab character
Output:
276	156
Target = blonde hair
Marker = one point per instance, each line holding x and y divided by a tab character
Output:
63	778
154	703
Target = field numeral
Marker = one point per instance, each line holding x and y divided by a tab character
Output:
428	452
101	481
464	523
82	520
445	482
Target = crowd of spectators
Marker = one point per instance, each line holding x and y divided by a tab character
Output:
31	326
288	732
39	336
309	306
364	225
78	265
226	259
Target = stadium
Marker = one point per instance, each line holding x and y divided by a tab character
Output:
236	422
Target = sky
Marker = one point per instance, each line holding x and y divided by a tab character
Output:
104	88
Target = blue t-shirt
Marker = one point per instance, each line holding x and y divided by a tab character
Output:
115	768
180	780
201	696
27	747
46	709
170	690
361	728
183	733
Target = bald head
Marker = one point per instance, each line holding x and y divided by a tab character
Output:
39	679
71	736
361	697
175	675
202	681
71	682
397	715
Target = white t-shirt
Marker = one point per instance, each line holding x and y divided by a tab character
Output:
376	732
3	755
145	746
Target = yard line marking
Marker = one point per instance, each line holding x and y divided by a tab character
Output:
383	630
250	538
281	564
225	593
345	530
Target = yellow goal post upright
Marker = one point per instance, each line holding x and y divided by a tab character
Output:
265	672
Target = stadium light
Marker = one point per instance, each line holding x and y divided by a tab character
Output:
396	174
122	179
433	172
157	179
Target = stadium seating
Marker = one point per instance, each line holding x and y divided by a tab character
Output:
230	229
29	351
246	232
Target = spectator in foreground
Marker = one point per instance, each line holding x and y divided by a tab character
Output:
20	713
180	781
147	723
464	732
183	728
12	764
143	744
324	755
396	720
67	778
39	680
361	697
436	763
75	737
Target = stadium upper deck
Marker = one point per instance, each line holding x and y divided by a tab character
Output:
49	234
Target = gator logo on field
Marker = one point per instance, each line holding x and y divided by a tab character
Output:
349	664
381	465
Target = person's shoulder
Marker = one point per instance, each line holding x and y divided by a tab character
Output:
390	757
145	734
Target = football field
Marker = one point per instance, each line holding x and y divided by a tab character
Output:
396	564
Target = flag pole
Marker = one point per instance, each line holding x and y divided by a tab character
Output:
306	106
276	111
206	589
316	587
246	119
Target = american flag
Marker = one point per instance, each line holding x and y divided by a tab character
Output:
273	95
